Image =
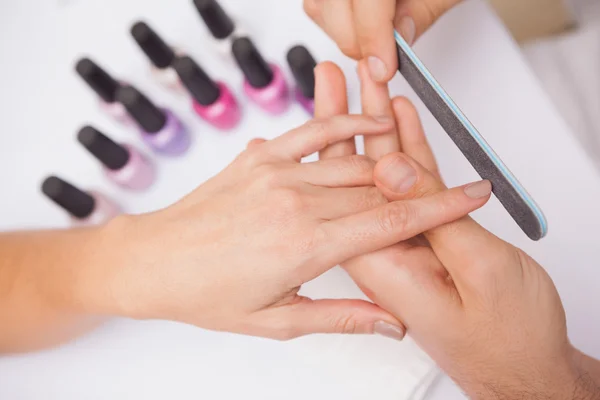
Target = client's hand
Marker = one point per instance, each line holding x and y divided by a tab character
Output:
486	312
232	255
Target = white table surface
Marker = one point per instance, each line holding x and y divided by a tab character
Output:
43	104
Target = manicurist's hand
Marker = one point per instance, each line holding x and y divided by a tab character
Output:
365	28
232	255
485	311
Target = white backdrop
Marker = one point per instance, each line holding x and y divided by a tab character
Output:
43	104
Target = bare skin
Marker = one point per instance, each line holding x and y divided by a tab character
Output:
364	29
485	311
231	256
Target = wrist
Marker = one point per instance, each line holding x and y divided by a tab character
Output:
99	262
587	384
556	379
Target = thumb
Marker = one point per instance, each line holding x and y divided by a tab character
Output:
460	244
415	17
306	317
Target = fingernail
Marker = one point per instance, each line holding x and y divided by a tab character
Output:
388	330
377	69
399	176
408	29
479	189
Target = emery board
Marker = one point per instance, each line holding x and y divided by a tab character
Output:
513	196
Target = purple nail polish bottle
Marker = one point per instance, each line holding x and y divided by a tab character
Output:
265	84
160	128
123	164
303	65
160	54
105	87
220	25
85	208
212	101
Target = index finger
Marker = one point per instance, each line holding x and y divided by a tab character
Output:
374	22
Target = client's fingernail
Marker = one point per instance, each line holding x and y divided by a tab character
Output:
388	330
377	69
399	176
408	29
479	189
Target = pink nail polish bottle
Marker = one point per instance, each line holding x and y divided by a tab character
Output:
105	87
219	24
265	84
160	54
160	128
123	164
212	101
85	208
303	65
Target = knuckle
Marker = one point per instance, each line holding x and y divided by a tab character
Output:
360	165
374	198
269	176
346	324
251	158
395	217
287	201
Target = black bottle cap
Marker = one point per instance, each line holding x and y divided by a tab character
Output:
202	88
109	153
98	79
303	66
78	203
159	53
257	71
216	19
146	114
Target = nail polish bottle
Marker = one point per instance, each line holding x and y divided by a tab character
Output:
85	208
160	54
264	84
303	66
160	128
219	23
212	101
105	87
123	164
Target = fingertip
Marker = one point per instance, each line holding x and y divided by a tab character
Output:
479	190
404	107
327	67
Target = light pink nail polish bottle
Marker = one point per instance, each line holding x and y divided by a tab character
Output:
123	164
265	84
160	54
84	208
212	101
105	87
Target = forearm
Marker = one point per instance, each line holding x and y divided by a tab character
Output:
39	275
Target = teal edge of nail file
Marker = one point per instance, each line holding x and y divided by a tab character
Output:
513	196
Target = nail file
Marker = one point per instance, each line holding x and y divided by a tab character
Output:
488	165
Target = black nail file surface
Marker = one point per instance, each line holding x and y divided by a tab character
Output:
488	165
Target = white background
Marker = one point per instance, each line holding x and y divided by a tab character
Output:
43	104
